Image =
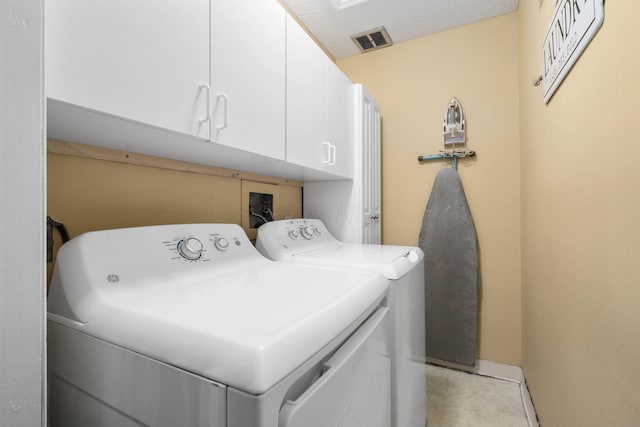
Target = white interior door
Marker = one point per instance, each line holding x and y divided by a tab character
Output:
371	171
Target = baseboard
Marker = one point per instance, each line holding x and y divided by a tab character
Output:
500	371
514	374
529	409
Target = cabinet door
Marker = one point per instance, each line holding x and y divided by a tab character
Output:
340	121
307	142
248	75
138	59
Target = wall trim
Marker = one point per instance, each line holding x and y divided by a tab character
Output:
23	379
499	371
75	149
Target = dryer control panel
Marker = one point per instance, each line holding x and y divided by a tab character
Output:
101	266
196	247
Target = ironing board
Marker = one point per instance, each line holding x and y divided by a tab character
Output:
448	239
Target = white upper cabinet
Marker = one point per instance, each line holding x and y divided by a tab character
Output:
340	119
351	209
237	84
319	107
248	75
306	99
141	60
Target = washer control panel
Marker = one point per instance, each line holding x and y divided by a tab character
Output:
292	236
306	231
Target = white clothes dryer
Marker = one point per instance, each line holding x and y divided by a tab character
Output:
188	325
308	242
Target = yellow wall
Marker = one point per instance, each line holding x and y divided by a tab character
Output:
580	234
413	82
89	194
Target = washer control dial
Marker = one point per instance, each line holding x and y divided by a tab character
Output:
317	231
294	234
307	232
221	244
190	248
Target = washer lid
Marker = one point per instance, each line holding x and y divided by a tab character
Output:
247	327
392	261
309	241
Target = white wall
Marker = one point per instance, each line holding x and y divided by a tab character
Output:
22	215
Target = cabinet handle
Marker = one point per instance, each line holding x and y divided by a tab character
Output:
208	98
225	98
332	156
327	153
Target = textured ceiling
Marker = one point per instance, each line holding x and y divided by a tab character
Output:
333	22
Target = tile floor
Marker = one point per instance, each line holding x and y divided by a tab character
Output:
459	399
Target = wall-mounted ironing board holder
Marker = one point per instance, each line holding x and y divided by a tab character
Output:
454	155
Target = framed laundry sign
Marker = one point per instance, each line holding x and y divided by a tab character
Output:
574	24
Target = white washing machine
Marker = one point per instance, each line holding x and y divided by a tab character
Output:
188	325
308	242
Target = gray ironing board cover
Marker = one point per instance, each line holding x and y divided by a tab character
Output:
448	239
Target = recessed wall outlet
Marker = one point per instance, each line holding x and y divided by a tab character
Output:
260	209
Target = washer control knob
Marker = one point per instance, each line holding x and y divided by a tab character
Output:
294	234
307	232
317	231
221	244
190	248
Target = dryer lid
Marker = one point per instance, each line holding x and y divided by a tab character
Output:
237	319
247	329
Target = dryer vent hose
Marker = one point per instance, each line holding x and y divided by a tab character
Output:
64	234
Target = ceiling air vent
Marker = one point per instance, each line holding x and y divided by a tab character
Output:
372	39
